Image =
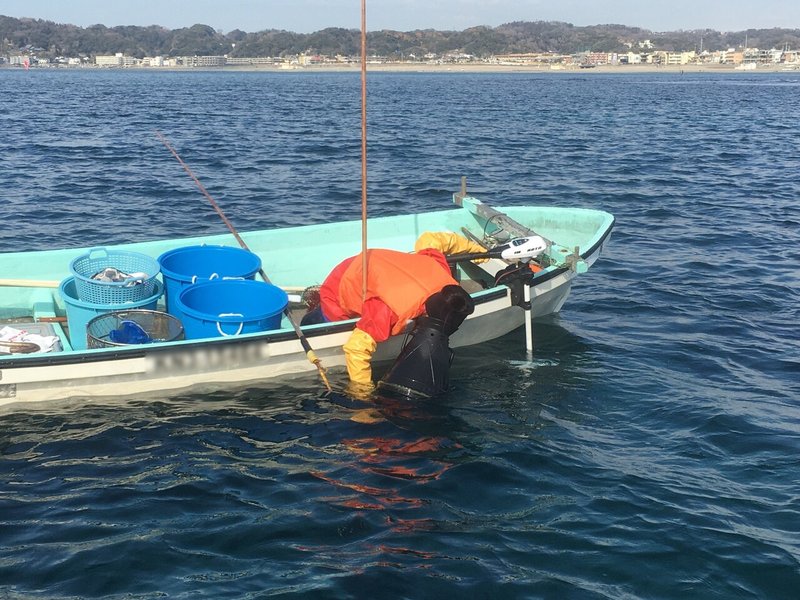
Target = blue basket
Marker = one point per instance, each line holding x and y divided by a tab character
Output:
84	267
225	307
80	312
182	267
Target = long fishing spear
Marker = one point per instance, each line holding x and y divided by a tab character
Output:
310	354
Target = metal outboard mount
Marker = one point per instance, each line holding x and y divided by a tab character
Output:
515	277
422	370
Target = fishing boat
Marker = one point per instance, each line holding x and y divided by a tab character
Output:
32	294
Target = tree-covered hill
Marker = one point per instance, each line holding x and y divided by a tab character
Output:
56	39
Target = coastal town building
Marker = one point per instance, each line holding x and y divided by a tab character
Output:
254	61
674	58
203	61
735	57
116	60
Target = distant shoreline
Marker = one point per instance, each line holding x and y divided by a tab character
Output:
447	68
487	68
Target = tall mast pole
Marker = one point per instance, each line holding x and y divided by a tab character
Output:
364	148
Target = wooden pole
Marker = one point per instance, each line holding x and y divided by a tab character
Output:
29	283
364	149
45	283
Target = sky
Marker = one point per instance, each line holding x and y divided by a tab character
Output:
305	16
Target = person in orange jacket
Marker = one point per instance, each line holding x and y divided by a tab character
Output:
399	285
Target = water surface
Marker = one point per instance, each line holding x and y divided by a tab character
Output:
648	450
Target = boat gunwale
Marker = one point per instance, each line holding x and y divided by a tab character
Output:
139	351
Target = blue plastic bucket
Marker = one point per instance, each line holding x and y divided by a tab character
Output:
184	266
80	312
225	307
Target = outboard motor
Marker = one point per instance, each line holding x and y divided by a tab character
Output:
423	368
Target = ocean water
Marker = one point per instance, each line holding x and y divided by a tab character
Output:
649	449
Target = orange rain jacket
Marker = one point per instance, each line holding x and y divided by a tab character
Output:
398	284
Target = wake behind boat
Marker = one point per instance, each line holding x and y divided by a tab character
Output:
32	298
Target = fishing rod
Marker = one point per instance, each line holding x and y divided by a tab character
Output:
310	354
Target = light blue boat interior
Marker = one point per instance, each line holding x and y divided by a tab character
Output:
301	256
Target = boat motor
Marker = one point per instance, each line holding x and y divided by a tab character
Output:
522	249
422	370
